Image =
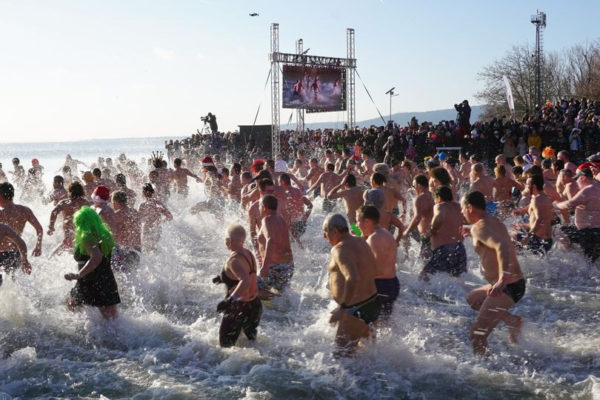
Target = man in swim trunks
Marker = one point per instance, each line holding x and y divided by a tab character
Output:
586	231
352	284
422	215
277	266
485	184
385	249
499	266
352	198
327	181
295	203
180	177
449	253
127	233
536	236
241	308
152	212
7	262
67	208
16	216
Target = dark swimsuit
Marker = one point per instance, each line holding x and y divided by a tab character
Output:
515	290
99	287
388	291
367	310
239	314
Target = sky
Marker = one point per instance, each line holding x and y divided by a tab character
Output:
82	69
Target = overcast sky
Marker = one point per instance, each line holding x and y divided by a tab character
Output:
98	69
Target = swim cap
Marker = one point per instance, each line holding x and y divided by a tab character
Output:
101	194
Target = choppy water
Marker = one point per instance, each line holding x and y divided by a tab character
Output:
165	343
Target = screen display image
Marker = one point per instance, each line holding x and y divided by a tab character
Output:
313	88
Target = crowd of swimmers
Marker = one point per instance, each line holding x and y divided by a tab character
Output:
372	211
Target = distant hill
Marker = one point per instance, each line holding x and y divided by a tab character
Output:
401	118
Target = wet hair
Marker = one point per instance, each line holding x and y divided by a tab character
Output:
75	190
236	232
16	160
59	179
444	193
500	170
7	191
271	164
367	152
224	171
262	184
374	197
120	179
90	228
369	212
422	180
378	178
337	222
119	197
547	163
97	172
148	189
558	165
534	170
476	199
538	182
247	175
517	171
269	202
177	162
285	178
478	168
350	180
442	175
330	167
237	168
452	162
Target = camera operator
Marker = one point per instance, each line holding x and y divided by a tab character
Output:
463	117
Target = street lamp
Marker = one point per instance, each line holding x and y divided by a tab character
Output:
391	93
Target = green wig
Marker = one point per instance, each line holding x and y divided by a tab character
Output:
90	228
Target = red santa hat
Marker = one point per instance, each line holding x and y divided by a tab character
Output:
207	161
101	194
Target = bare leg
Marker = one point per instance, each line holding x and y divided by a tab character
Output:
109	312
350	331
491	311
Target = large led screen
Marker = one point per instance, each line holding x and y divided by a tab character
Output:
313	88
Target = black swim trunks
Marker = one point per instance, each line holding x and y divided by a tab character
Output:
450	258
10	261
536	244
367	310
388	291
587	238
240	315
515	290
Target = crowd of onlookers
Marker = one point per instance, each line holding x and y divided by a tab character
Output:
572	125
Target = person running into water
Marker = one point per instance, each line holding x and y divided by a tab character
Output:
242	307
352	198
16	216
385	249
96	285
67	208
127	233
277	265
58	192
152	212
422	216
10	265
500	267
351	283
295	205
180	177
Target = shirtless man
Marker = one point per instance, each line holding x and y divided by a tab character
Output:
464	170
564	157
485	184
235	185
127	233
501	162
379	180
265	187
537	234
586	231
352	284
366	167
499	266
448	251
385	249
422	215
67	208
241	308
328	180
277	266
503	187
313	175
58	192
16	216
121	183
295	203
152	212
180	177
352	198
299	170
101	200
375	197
10	265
